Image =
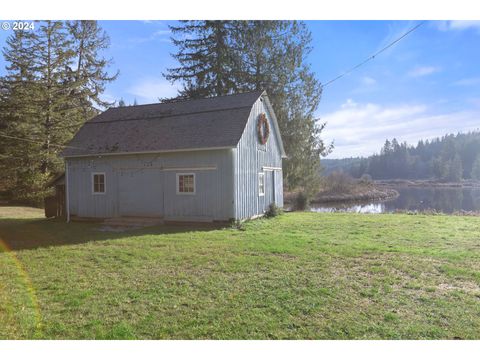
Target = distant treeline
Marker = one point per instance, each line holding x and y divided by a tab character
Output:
449	158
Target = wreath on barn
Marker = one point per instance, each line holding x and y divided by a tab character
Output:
263	129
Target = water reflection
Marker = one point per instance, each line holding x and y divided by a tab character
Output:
446	200
373	208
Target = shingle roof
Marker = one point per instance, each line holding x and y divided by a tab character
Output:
190	124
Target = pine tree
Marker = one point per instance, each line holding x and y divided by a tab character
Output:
455	169
205	57
475	174
89	68
20	117
52	85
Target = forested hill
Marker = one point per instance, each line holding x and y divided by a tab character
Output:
449	158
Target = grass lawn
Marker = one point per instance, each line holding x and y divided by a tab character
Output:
298	276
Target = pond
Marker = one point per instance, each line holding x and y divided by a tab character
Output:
441	199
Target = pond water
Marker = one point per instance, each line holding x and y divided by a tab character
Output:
441	199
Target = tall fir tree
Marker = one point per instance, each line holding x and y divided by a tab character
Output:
475	174
205	56
89	70
20	107
53	84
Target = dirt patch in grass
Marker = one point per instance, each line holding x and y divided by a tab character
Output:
468	287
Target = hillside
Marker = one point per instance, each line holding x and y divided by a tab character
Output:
449	158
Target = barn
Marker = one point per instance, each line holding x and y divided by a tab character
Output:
212	159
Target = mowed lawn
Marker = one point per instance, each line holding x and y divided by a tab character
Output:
297	276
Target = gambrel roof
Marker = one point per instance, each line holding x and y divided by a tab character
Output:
198	124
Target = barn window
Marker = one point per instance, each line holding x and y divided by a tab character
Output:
185	183
98	183
261	184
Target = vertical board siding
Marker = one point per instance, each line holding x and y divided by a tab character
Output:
140	185
250	158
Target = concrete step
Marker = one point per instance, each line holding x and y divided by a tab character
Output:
132	221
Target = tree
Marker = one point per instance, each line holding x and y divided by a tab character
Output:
222	57
455	169
387	148
206	58
53	84
475	174
121	103
89	67
34	94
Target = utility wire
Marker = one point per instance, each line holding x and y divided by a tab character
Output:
374	55
38	142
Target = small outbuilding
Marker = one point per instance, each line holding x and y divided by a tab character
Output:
212	159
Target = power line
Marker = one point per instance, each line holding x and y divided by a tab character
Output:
38	142
374	55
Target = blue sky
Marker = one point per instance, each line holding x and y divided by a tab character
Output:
425	86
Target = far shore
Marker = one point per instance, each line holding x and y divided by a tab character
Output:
428	183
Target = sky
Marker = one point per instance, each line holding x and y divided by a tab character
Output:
426	85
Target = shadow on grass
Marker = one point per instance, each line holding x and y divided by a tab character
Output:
21	234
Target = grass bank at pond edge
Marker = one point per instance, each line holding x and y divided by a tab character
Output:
358	193
297	276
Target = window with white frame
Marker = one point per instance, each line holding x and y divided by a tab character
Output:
98	183
261	184
185	183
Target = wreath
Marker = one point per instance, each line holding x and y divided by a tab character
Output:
263	129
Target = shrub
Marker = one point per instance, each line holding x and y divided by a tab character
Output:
237	224
273	210
339	182
366	179
301	201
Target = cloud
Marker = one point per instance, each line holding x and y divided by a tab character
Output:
468	81
361	129
150	89
368	81
153	22
157	35
423	71
395	29
458	25
108	97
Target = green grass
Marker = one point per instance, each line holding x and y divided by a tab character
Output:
297	276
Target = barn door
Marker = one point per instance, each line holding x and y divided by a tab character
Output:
140	192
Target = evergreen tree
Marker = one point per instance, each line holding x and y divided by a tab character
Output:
206	58
53	82
475	174
455	169
89	68
450	158
121	103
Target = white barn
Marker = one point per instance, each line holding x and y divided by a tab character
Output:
213	159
